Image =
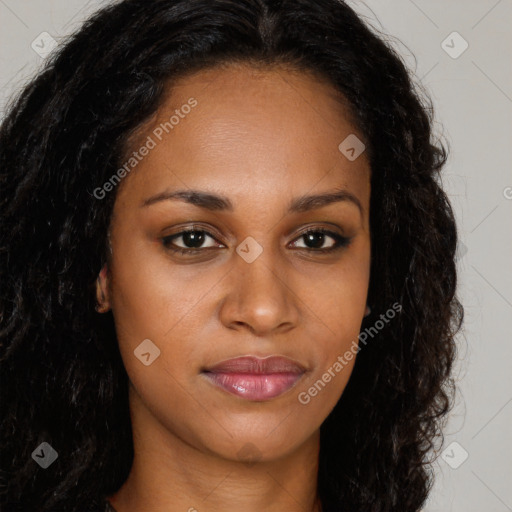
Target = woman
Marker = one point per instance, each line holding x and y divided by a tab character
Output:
228	267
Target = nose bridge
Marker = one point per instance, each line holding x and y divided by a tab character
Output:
260	296
258	268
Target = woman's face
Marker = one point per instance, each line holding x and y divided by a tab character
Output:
256	146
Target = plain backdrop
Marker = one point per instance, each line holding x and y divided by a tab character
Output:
460	51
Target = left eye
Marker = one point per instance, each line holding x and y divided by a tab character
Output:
317	237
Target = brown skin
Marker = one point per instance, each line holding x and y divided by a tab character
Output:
260	138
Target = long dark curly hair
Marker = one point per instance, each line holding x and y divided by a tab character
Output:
62	377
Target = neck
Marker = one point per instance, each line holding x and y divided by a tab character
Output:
169	474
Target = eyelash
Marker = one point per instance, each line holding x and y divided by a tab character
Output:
341	242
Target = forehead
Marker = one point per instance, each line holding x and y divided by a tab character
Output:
241	129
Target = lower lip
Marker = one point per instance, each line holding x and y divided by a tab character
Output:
256	387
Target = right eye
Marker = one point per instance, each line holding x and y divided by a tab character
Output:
192	239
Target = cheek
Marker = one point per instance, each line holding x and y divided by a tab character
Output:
338	301
151	294
151	300
335	351
338	298
319	395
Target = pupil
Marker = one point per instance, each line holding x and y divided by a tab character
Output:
194	237
310	237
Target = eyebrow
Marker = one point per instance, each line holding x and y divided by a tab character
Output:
214	202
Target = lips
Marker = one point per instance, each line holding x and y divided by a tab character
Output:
254	378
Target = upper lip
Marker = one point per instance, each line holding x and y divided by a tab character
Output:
257	365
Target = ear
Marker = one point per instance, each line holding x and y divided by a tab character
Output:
102	296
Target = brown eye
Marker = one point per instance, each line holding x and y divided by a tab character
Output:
315	240
193	241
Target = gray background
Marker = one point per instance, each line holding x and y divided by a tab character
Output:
472	97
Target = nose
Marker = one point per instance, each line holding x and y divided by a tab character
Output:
260	296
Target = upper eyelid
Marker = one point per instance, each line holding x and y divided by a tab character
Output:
189	230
